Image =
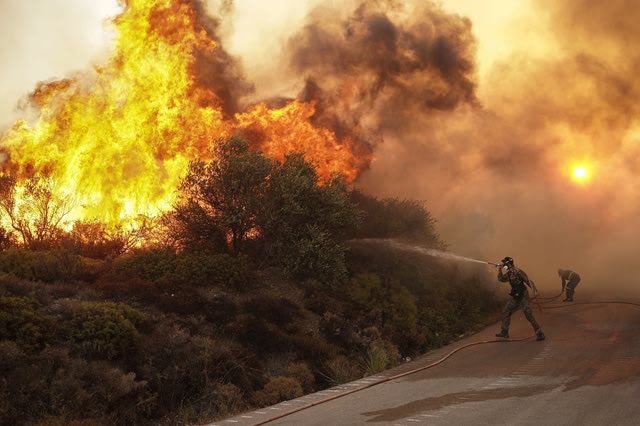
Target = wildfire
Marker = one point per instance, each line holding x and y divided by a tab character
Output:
121	142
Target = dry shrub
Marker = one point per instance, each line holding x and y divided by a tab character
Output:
278	389
10	285
380	356
302	373
277	310
180	298
51	386
221	309
313	349
65	420
341	331
342	370
133	287
186	370
228	400
48	265
257	335
97	389
167	296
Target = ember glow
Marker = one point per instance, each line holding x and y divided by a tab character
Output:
120	139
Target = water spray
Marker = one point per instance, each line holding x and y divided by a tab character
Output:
423	250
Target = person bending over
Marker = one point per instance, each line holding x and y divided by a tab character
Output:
569	279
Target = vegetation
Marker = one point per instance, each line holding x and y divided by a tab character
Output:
38	219
259	289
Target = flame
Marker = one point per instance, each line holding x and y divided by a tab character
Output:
289	129
121	142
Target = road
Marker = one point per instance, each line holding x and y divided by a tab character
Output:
587	372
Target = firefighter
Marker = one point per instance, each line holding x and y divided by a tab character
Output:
519	297
569	280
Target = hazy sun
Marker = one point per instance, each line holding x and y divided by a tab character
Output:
581	174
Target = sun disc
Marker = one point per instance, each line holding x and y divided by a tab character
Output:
580	172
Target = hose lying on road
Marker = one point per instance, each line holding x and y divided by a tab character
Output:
441	360
368	385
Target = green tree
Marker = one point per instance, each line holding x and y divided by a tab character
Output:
220	200
304	221
296	222
393	218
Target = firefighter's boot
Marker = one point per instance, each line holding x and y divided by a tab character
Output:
540	335
503	333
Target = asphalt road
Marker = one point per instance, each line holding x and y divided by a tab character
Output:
587	372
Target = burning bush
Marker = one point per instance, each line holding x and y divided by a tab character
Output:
221	200
34	210
290	218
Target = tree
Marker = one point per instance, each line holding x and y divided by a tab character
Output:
303	221
296	222
220	200
34	210
97	240
393	218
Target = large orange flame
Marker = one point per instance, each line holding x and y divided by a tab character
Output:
121	142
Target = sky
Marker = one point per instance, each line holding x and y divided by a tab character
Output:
488	136
44	40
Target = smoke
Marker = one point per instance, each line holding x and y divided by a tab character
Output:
489	142
507	162
216	69
380	64
43	41
491	154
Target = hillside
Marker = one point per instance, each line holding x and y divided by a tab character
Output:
96	347
261	284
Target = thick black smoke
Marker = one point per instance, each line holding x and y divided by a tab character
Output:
378	66
216	69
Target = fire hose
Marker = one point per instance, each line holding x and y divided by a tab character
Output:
397	376
444	358
386	379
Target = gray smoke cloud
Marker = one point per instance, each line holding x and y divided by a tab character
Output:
218	70
366	68
495	170
506	163
493	165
